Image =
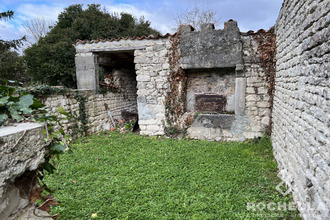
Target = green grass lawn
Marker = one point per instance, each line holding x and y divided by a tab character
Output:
126	176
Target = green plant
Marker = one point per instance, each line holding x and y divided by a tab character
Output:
82	113
58	142
43	90
102	88
129	126
170	130
51	60
175	99
18	106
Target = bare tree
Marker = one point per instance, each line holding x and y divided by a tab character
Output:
36	28
196	16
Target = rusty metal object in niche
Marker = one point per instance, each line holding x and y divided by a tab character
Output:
211	103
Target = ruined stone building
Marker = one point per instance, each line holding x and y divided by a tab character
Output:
222	84
213	84
209	82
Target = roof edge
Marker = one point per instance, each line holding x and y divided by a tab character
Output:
150	37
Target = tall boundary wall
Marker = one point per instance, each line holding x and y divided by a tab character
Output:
301	113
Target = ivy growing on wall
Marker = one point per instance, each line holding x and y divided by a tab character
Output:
175	100
267	51
44	90
82	118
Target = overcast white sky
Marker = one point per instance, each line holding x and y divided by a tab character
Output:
250	14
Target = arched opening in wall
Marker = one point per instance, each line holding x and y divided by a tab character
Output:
117	75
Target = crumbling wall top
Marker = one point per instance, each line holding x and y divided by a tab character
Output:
210	48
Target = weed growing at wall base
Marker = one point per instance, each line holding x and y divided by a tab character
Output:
126	176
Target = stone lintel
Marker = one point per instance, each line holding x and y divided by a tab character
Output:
118	49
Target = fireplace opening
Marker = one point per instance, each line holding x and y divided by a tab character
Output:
211	91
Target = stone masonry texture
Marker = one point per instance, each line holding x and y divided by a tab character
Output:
210	48
301	113
212	82
206	51
22	148
257	105
96	114
248	101
152	69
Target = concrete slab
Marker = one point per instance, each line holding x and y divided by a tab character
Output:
15	128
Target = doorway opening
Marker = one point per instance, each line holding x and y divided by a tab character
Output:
117	74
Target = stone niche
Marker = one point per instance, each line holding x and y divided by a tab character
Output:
211	91
216	84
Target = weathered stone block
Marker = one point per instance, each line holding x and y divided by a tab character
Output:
205	49
143	78
87	72
240	92
22	149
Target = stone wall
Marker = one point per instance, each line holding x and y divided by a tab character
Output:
257	98
210	48
250	103
96	114
158	58
218	82
126	79
151	68
22	149
301	114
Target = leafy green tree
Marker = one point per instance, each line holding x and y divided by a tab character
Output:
6	15
6	45
12	66
51	60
